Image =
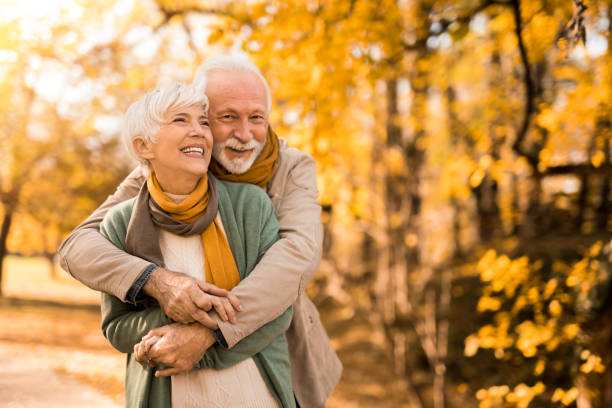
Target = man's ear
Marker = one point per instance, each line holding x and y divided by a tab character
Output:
143	148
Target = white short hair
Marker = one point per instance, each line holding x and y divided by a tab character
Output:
229	62
144	117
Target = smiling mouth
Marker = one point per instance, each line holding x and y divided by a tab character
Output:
197	150
239	149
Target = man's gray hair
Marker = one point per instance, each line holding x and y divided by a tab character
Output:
229	62
144	117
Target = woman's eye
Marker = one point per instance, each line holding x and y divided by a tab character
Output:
179	120
204	123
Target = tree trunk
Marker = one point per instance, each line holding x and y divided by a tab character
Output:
489	220
582	203
4	232
603	210
50	257
392	296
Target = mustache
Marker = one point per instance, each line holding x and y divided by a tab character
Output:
237	144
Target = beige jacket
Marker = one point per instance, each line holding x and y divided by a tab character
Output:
278	281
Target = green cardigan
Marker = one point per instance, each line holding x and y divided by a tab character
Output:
251	228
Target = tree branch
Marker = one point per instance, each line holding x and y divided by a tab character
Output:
574	31
529	87
445	23
168	14
577	169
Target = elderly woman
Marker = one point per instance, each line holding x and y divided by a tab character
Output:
184	219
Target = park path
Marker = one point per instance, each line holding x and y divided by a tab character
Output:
27	382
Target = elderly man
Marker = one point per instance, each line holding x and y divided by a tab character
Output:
245	150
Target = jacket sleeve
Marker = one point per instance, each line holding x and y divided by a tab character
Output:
92	259
124	324
290	264
219	357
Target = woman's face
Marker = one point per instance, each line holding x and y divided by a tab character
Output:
181	154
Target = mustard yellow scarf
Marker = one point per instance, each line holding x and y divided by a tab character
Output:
262	170
221	269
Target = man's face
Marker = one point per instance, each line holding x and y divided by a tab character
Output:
238	118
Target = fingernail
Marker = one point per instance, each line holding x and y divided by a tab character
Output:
239	307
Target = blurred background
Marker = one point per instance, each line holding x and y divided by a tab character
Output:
464	169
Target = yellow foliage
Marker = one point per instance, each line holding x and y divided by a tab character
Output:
547	119
394	160
565	397
530	336
476	178
411	240
488	303
539	367
472	344
522	395
550	326
598	158
540	33
502	273
592	363
453	181
571	331
555	308
550	288
595	249
493	337
491	396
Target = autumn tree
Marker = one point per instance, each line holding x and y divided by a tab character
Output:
463	153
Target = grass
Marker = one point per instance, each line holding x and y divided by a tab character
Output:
30	278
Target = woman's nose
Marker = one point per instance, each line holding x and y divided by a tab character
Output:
198	129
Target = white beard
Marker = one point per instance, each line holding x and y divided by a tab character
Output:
240	165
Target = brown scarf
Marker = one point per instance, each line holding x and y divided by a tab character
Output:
262	170
195	215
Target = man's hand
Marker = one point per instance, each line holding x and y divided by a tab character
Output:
185	299
176	346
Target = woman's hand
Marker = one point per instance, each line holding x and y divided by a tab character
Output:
185	299
178	347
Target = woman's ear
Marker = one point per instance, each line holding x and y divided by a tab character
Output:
143	148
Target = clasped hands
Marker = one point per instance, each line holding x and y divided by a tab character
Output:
179	346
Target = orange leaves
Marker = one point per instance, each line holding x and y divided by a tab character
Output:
454	176
532	335
565	397
394	159
135	77
540	33
535	314
598	158
592	363
503	274
519	397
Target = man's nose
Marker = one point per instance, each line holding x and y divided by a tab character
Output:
243	131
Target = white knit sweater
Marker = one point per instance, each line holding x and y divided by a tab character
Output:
241	385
